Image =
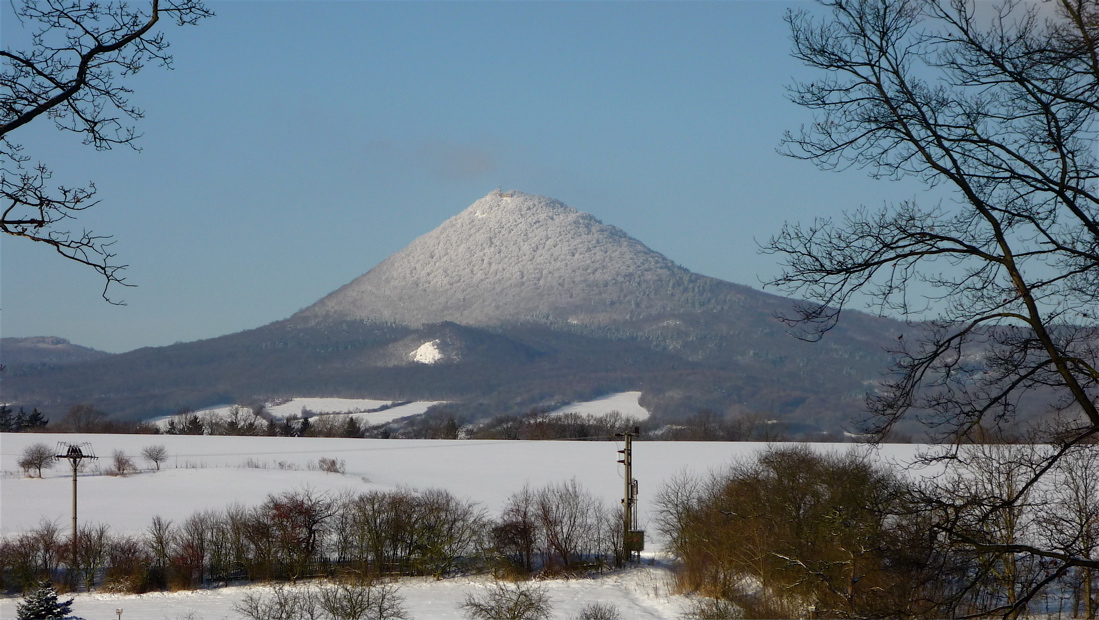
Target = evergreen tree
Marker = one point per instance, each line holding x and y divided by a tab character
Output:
7	421
42	604
351	428
32	421
193	426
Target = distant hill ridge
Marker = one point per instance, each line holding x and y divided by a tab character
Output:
518	301
513	257
45	350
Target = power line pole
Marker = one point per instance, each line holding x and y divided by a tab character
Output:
633	539
74	454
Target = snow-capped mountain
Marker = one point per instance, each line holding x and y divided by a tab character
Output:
518	301
514	257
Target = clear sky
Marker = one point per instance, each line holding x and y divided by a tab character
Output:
297	144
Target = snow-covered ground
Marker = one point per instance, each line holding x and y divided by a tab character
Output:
637	593
622	402
214	472
364	410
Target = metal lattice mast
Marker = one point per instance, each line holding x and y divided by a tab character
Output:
633	539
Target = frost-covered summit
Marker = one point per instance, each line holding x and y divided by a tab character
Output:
519	257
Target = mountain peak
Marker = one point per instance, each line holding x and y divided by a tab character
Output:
513	257
499	203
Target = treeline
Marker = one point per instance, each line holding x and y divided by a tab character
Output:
795	532
536	424
555	529
539	424
440	423
11	422
78	419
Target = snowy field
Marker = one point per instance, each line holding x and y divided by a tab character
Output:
637	593
214	472
364	410
622	402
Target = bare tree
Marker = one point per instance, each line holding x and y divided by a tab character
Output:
1070	518
568	516
128	561
121	463
1001	108
600	611
379	600
160	541
449	530
284	603
792	526
155	454
92	552
509	601
518	534
299	520
71	73
36	456
85	419
33	555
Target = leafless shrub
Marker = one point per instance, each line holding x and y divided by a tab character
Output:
121	463
128	560
509	601
713	609
155	454
31	556
599	611
339	601
362	601
786	526
284	603
332	466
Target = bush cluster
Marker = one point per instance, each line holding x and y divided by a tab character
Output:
340	600
303	534
792	529
540	424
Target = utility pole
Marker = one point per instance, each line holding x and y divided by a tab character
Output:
633	539
74	454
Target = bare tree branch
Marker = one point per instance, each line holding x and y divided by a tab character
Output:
72	74
1002	108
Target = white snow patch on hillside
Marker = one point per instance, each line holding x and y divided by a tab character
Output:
210	413
427	353
294	406
395	413
365	410
622	402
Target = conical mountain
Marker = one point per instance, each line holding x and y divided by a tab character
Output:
515	257
519	301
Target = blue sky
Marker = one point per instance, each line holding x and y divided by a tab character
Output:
298	144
